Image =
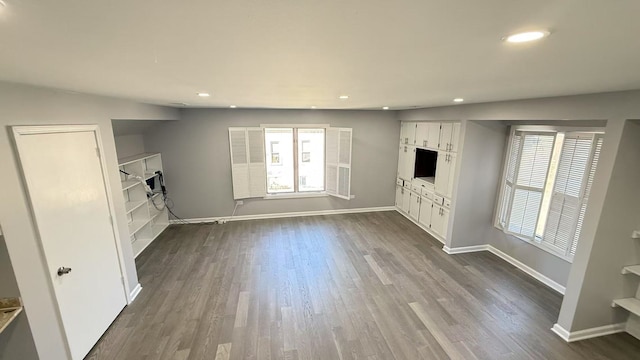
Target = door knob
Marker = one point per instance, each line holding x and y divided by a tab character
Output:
63	270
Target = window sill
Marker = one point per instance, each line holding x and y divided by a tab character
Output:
296	195
540	246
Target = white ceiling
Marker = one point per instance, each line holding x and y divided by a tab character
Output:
295	54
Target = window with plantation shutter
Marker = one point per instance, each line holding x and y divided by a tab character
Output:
275	161
547	180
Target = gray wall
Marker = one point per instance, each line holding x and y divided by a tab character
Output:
128	145
195	155
26	105
614	246
615	108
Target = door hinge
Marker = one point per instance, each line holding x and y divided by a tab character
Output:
98	152
111	219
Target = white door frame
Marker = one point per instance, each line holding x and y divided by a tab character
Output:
19	131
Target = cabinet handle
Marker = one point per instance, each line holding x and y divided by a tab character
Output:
405	149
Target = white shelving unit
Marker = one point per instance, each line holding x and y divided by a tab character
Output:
632	305
145	220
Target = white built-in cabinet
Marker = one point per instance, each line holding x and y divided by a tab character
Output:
427	200
145	209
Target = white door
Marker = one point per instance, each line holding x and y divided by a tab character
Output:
433	135
69	198
425	212
408	133
414	210
445	136
422	134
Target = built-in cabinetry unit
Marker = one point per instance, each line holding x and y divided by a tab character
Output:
144	205
632	305
426	173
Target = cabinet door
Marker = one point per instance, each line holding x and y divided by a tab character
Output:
406	162
444	232
406	200
433	135
445	136
425	212
455	137
436	219
442	173
452	170
414	209
399	197
408	133
422	134
401	161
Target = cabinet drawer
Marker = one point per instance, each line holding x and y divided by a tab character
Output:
447	203
407	185
416	188
426	193
437	199
399	182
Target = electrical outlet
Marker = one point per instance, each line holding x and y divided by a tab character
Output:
239	202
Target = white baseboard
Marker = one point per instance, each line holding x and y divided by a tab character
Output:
285	215
435	236
511	260
135	292
527	269
587	333
465	249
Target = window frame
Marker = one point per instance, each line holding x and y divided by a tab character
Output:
296	193
536	129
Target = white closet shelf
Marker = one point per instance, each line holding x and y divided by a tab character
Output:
132	205
128	184
630	304
150	174
134	158
632	269
135	226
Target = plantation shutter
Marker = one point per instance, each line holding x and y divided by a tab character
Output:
529	180
509	178
567	193
257	166
338	162
247	162
587	190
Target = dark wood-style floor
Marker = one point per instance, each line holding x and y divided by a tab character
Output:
358	286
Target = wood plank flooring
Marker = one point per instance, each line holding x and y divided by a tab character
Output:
356	286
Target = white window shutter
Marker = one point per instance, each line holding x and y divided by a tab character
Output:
239	163
567	192
587	190
257	166
338	162
532	165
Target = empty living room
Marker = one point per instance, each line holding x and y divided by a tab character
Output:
319	180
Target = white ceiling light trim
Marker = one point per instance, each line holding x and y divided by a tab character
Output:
232	106
458	100
343	97
203	94
527	36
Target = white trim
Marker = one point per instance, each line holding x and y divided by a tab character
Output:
134	293
511	260
295	195
306	126
465	249
587	333
527	269
284	215
435	236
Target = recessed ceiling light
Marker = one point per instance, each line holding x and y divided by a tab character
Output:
526	36
385	108
232	106
458	100
313	107
344	97
203	94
